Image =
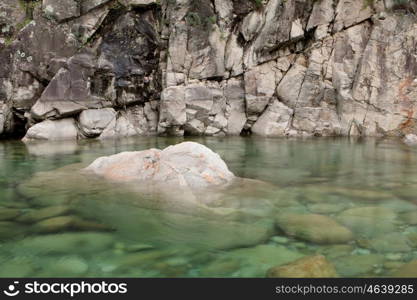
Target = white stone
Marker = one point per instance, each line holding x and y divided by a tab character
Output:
187	165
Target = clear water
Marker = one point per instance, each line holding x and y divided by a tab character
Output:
56	223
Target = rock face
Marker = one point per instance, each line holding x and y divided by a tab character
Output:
307	267
185	67
189	165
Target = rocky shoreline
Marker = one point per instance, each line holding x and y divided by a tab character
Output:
114	68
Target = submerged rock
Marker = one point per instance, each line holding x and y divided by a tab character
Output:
16	268
368	221
410	218
393	242
188	164
314	228
37	215
68	223
9	213
315	266
255	261
334	251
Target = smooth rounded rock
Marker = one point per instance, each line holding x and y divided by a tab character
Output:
368	221
314	228
410	217
316	266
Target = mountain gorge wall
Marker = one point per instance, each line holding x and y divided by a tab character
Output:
72	69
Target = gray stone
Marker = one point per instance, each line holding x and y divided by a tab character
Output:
87	5
68	223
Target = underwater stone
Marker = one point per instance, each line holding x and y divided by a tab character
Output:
316	266
314	228
408	270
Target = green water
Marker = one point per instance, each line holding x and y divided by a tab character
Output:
56	223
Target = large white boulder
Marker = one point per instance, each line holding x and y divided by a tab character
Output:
53	130
186	165
410	139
